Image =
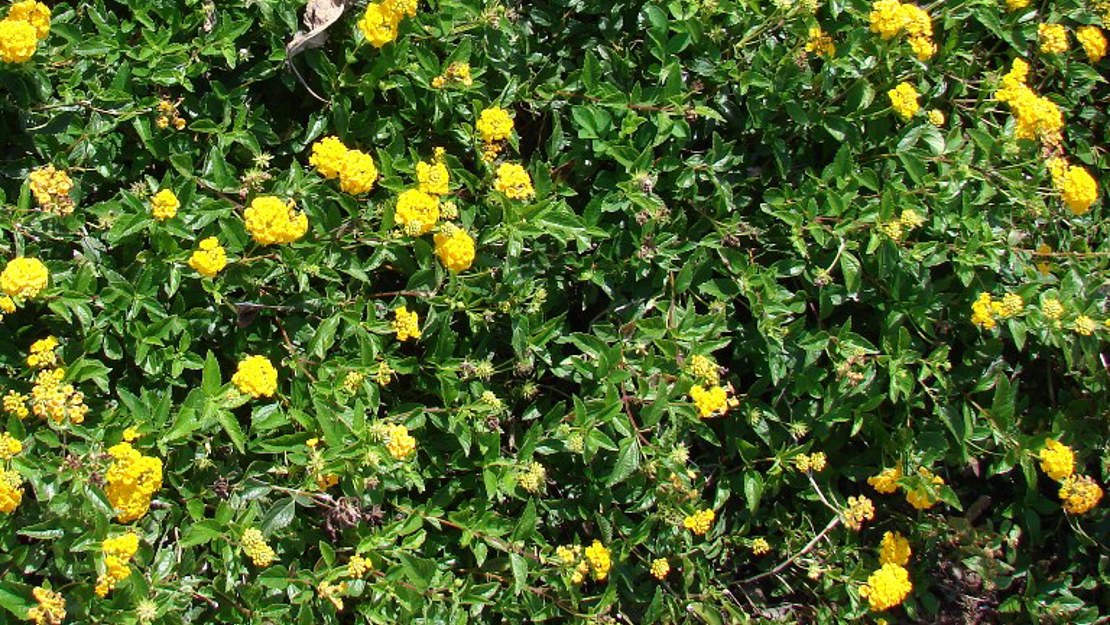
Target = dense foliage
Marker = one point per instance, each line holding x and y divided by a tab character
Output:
715	311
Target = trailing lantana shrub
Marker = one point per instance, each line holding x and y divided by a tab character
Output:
575	311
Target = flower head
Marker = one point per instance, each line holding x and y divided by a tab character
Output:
1053	37
255	546
1080	494
406	324
164	205
903	99
11	490
660	568
256	376
358	173
399	442
417	211
34	13
700	522
887	587
455	248
24	277
494	124
859	510
600	560
921	497
328	157
132	480
18	40
886	482
894	549
1093	41
514	181
378	25
269	221
51	188
209	259
433	178
1057	460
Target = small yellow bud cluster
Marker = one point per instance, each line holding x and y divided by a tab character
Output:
50	608
398	442
699	522
256	376
164	205
11	490
514	181
761	547
897	229
358	566
887	587
1037	117
384	375
987	311
455	248
169	116
1079	493
269	221
406	324
210	258
820	43
660	568
1093	41
433	177
10	446
890	18
1053	38
42	354
132	480
353	381
15	404
50	399
532	477
118	552
710	402
595	560
380	22
255	546
456	73
333	593
815	462
1075	185
51	189
903	99
494	127
858	511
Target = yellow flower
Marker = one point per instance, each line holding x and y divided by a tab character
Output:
118	552
1052	308
1057	460
514	181
15	404
700	522
903	99
455	248
494	124
600	560
820	43
7	305
209	259
358	174
11	491
532	478
1015	5
887	18
378	25
34	13
254	545
18	40
417	211
24	277
1053	37
164	205
817	462
131	434
51	189
352	381
921	498
894	549
660	568
400	8
9	446
269	221
761	547
256	377
51	399
936	117
1010	305
886	482
1080	494
432	178
1036	117
399	442
328	157
704	369
132	480
406	324
1084	325
1077	188
332	592
982	311
51	608
859	510
384	375
1093	41
887	587
710	401
42	353
358	566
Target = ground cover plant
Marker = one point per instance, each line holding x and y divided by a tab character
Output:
459	311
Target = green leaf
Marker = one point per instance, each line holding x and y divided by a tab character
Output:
628	460
230	424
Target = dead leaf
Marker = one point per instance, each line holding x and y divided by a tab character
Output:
319	15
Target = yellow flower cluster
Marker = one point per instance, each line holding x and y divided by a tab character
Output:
41	354
384	375
10	446
50	399
358	566
887	587
27	23
886	482
256	376
660	568
699	522
168	115
820	43
380	21
1036	117
24	277
600	560
132	480
15	404
1053	37
532	478
815	462
859	510
269	221
1052	308
328	156
597	562
209	259
455	73
894	549
897	229
514	181
1084	325
890	18
494	126
398	442
761	547
333	593
254	545
118	552
936	117
1076	186
433	178
710	401
51	608
164	205
455	248
987	311
352	381
11	491
1015	5
1093	41
1057	460
51	189
921	498
704	369
417	212
1080	494
406	324
903	99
